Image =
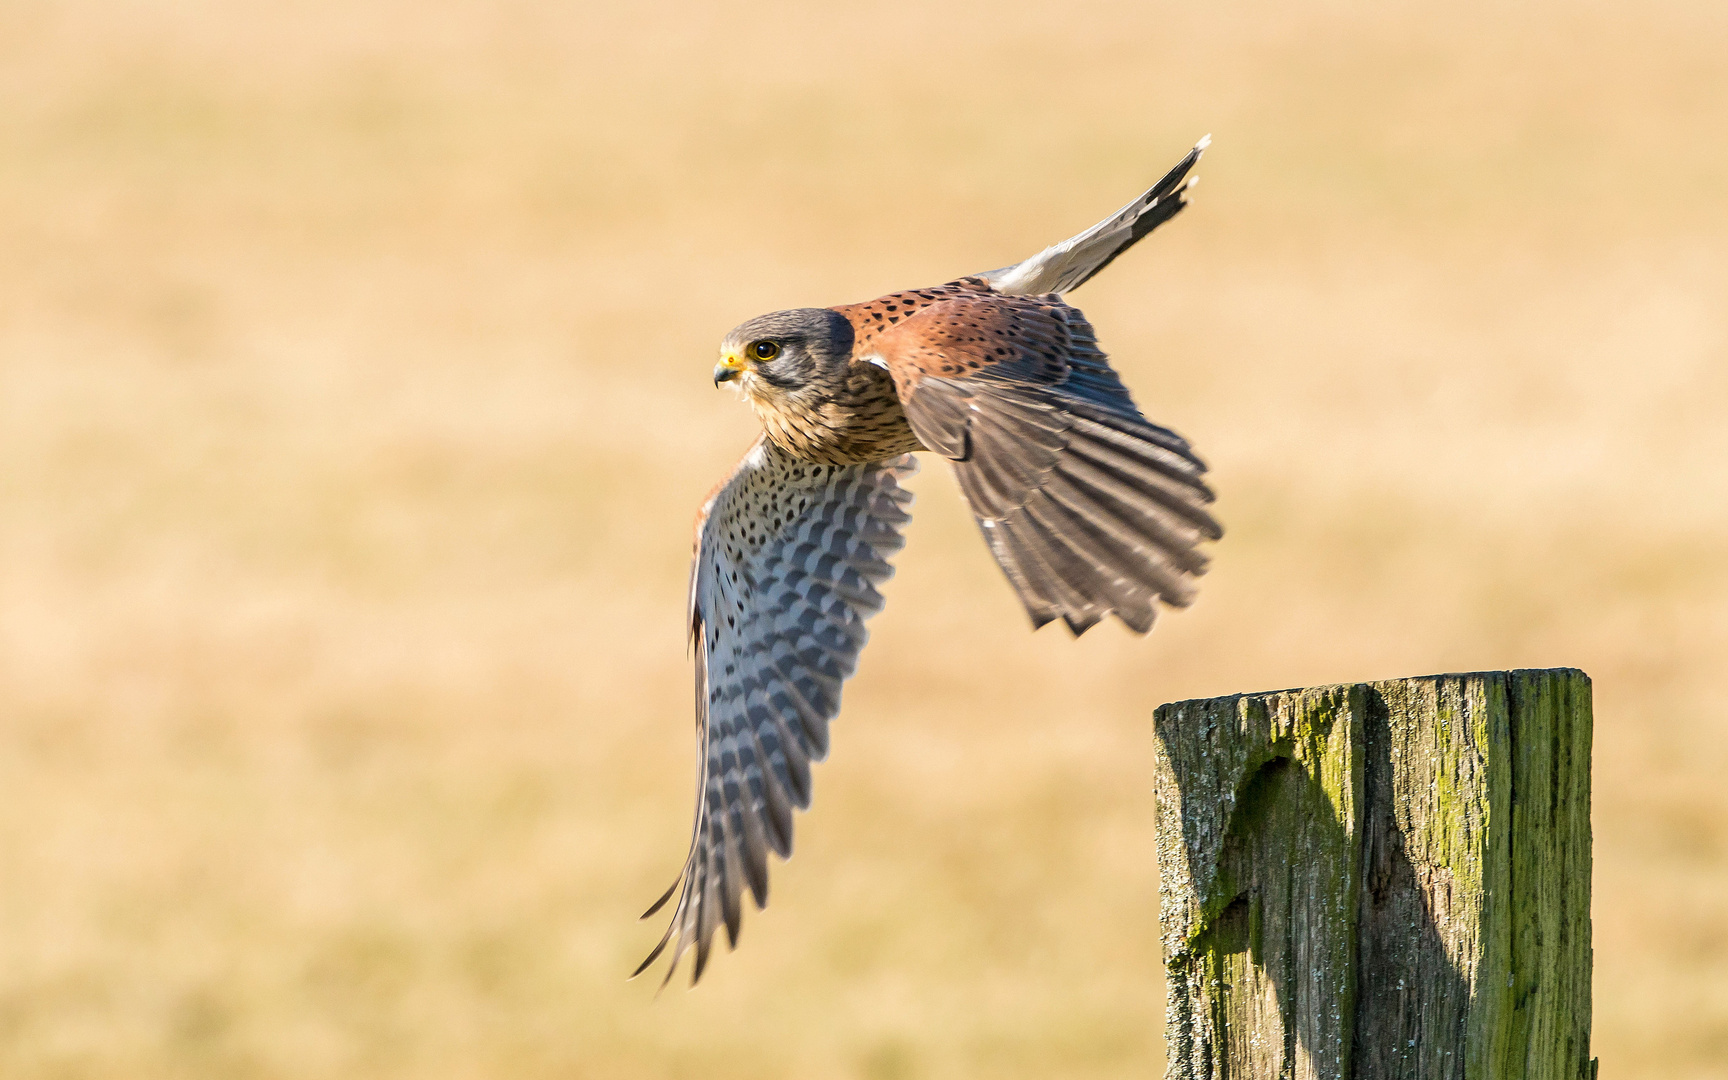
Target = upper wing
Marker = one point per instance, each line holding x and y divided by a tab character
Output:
1089	508
1066	266
788	557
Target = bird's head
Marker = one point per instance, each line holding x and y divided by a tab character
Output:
799	356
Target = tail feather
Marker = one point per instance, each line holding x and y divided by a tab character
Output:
1066	266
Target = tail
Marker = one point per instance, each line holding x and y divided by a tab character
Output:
1066	266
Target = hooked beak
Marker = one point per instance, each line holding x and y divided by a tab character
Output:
731	365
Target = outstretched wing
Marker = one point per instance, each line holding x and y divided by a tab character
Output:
788	558
1089	508
1065	267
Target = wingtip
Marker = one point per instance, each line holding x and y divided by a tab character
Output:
653	956
1205	141
660	903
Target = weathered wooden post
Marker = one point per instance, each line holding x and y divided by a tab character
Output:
1379	880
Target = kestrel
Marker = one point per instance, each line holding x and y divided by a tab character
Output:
1089	508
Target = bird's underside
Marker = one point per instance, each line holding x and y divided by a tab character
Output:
1090	509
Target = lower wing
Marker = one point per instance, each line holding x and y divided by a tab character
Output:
789	555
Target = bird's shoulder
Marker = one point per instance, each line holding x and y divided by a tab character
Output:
980	333
978	349
872	318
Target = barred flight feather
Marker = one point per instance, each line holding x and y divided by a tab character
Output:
789	557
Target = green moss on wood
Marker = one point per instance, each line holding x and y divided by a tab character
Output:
1387	879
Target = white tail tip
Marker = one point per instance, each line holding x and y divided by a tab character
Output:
1203	143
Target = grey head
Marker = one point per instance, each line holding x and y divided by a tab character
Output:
798	357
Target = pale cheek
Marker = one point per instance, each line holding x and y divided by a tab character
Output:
754	388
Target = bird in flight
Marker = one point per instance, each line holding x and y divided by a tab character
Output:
1089	508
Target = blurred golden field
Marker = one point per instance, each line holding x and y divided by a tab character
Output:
355	403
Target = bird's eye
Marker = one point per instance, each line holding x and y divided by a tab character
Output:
765	350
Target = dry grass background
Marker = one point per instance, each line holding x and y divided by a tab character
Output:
354	404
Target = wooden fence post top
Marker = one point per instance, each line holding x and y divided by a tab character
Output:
1379	879
1514	673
